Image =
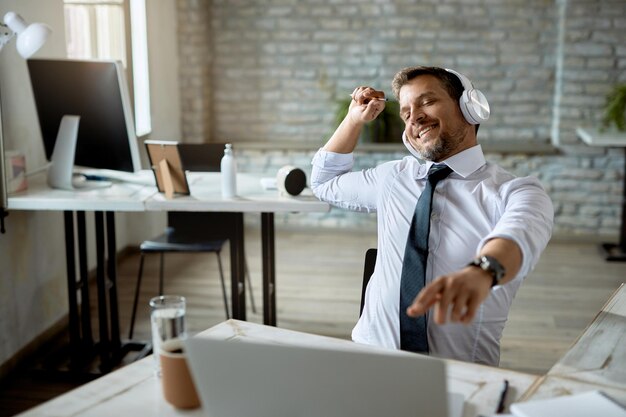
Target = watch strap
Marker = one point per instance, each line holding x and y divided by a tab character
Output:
492	266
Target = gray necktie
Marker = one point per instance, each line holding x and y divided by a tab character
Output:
413	330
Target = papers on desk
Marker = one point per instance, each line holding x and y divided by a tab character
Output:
269	183
592	403
143	177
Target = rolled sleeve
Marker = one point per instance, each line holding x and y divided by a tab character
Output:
328	165
527	219
333	181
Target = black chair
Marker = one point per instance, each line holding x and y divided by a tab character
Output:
192	232
368	270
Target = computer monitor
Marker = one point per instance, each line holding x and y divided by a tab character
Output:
96	92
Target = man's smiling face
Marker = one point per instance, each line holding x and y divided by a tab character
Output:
434	124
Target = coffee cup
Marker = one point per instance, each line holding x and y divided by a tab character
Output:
178	387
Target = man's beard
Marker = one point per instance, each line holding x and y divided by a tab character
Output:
442	146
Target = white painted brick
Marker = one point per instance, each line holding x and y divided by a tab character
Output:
284	52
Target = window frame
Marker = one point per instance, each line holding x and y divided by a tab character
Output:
141	116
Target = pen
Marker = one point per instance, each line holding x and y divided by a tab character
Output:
502	400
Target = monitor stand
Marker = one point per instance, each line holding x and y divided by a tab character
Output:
60	173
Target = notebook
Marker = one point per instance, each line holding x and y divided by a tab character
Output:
246	378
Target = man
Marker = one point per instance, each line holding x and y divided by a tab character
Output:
487	227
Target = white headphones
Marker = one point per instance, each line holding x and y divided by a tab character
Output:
473	102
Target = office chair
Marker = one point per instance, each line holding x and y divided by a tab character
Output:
190	232
368	270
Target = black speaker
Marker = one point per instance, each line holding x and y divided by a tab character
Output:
291	180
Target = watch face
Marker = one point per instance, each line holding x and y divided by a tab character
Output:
493	266
490	265
486	265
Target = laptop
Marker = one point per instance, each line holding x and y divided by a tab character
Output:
250	378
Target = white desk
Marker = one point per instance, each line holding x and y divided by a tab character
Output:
252	198
103	202
134	390
595	361
205	197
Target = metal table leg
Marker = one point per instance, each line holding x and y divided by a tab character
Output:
617	252
74	318
237	262
269	272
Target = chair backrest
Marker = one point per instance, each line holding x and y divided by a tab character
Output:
201	157
204	157
204	225
368	270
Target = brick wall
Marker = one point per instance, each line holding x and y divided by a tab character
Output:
277	69
593	60
195	57
585	189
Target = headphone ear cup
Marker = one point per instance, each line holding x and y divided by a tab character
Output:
474	106
463	104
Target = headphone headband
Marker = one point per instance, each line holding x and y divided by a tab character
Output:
467	84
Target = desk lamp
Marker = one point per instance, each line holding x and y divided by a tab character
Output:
29	39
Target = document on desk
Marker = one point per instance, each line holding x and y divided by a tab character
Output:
591	403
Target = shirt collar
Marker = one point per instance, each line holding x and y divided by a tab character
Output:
463	163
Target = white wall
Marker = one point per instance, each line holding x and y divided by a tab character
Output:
33	291
164	106
163	57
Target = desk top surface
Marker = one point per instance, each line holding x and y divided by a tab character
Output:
118	197
138	196
135	390
594	137
597	360
205	195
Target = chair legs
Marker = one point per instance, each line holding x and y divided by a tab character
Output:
161	269
249	282
247	272
132	318
161	279
219	263
138	285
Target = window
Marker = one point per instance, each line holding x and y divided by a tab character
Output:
97	29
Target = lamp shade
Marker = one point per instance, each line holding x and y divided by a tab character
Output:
33	38
29	38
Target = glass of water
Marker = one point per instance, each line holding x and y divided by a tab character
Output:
167	315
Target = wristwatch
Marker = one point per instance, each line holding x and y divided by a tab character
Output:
491	265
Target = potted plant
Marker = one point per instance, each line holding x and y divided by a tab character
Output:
615	109
386	128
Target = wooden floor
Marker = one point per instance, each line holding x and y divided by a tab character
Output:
318	274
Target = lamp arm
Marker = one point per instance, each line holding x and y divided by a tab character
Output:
6	35
4	201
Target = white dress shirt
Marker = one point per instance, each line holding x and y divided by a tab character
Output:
477	202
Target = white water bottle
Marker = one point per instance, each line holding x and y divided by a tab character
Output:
229	173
